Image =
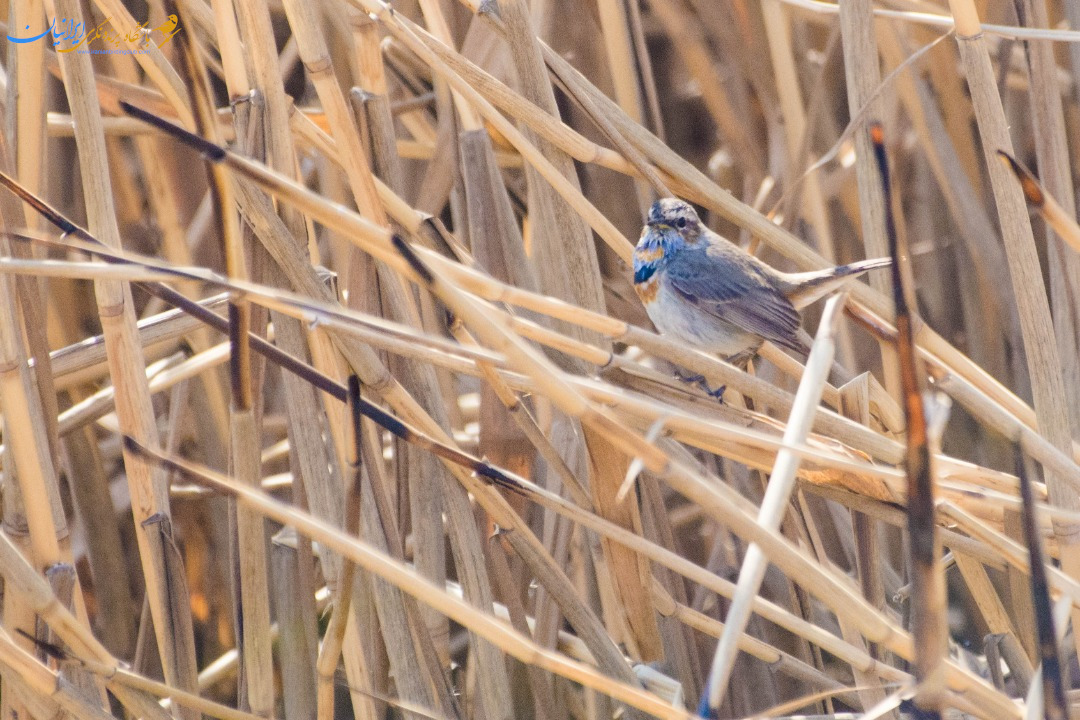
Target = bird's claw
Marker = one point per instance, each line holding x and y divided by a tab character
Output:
718	393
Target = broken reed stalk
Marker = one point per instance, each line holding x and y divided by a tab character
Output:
986	260
927	575
25	433
1042	202
26	100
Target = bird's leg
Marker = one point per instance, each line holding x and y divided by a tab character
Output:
689	379
699	380
742	359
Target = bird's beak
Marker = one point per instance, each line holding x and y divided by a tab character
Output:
661	226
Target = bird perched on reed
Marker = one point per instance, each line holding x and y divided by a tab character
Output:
715	296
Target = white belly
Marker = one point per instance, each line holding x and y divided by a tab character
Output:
675	316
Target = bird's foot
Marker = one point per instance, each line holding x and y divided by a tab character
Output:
699	380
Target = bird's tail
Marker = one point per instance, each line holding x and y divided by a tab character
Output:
802	289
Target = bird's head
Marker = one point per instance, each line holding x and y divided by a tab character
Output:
678	215
672	225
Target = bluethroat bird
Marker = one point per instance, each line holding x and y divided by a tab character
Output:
715	296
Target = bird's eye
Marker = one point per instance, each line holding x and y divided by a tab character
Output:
681	222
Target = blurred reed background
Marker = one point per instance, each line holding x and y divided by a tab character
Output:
364	419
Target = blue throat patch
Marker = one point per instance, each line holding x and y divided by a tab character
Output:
643	273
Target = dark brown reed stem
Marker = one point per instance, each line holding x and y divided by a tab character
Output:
927	575
1053	687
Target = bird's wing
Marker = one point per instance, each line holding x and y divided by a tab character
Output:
748	300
